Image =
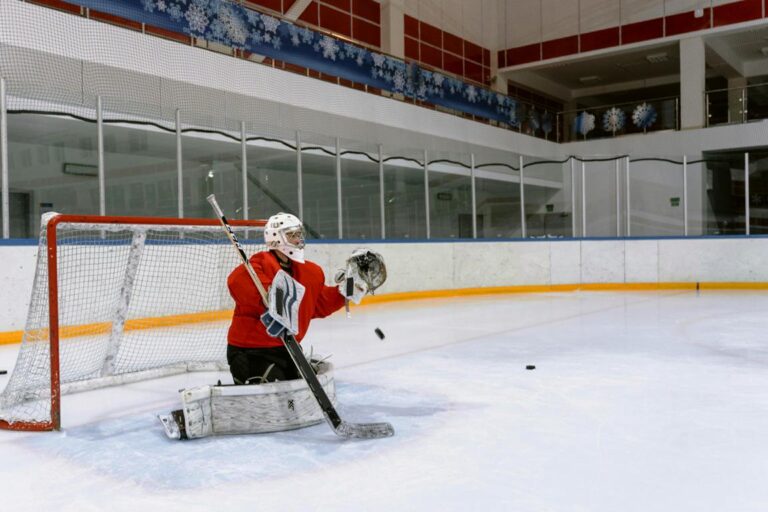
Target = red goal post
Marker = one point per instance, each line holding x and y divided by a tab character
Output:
117	300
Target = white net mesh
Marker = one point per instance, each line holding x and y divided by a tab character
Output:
135	302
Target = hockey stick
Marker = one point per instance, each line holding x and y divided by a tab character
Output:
339	426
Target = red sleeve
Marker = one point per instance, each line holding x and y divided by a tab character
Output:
329	300
243	289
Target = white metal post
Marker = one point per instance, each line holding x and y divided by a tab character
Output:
338	186
100	145
179	166
426	192
618	199
523	227
583	199
746	192
244	162
474	198
299	177
381	193
629	204
685	195
573	197
6	195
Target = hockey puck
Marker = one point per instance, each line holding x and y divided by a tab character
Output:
3	372
530	367
379	333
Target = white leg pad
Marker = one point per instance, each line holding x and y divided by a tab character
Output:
251	409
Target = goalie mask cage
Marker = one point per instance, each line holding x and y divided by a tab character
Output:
121	299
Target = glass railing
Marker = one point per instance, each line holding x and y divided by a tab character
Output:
604	121
737	104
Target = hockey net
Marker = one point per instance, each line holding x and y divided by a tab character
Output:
121	299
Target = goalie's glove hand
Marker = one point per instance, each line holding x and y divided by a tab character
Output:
274	328
350	288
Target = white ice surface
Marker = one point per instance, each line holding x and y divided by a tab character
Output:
654	401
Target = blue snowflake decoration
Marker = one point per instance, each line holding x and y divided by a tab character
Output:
644	116
584	123
614	120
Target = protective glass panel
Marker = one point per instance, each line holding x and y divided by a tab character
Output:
450	195
360	191
657	203
321	212
212	165
548	210
272	179
53	166
758	192
404	208
497	192
723	207
141	178
600	181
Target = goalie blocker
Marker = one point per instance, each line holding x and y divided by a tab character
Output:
254	409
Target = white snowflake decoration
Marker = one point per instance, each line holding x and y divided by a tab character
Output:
471	93
614	120
644	115
584	123
270	23
235	28
197	18
330	47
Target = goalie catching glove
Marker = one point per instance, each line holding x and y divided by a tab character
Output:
364	273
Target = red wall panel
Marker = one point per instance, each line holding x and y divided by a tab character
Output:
559	47
275	5
367	9
310	14
411	48
599	39
737	12
430	34
642	31
431	55
453	64
523	54
366	32
501	56
686	22
453	44
473	52
411	27
335	21
344	5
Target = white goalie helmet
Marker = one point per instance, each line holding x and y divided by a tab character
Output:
285	233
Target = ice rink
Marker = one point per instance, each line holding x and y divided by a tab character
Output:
640	401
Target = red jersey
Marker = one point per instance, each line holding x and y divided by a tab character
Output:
246	329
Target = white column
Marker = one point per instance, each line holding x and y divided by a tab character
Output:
685	195
338	186
523	227
474	194
381	193
393	27
6	196
426	192
179	166
746	193
692	75
299	180
244	162
100	145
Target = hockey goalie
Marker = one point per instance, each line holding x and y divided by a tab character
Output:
268	393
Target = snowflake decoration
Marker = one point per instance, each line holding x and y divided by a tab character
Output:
270	24
174	11
584	123
329	46
471	93
614	120
378	60
644	116
197	18
546	122
148	5
234	27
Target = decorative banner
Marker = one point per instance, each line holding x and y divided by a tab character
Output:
644	116
235	26
584	123
614	120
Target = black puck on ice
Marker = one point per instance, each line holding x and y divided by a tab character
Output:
3	372
379	333
530	367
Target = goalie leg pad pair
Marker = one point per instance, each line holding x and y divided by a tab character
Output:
252	409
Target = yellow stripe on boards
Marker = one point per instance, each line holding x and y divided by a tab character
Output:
10	337
72	331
